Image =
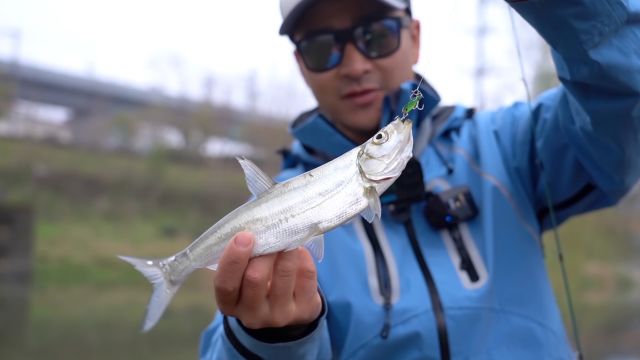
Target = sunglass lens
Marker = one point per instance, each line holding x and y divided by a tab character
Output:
379	38
320	53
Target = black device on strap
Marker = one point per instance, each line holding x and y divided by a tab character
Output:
446	210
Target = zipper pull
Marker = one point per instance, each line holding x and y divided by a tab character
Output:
386	327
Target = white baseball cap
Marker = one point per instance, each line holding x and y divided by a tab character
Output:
292	9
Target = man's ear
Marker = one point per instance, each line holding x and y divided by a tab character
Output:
414	32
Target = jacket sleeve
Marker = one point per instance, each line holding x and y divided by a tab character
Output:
225	338
585	133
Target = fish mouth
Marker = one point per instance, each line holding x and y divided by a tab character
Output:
383	178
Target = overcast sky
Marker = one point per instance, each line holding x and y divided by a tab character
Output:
177	45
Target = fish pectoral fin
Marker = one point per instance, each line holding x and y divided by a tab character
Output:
257	180
368	214
315	245
374	209
214	261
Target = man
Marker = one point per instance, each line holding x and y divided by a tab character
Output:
454	268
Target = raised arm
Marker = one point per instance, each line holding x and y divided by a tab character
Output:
586	133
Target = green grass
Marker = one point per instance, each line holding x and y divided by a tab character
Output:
103	322
85	302
599	252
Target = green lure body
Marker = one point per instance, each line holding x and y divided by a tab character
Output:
414	101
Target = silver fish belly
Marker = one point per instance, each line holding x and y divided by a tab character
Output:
290	213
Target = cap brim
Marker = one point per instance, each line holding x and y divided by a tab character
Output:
290	21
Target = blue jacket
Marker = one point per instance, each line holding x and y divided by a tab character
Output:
586	136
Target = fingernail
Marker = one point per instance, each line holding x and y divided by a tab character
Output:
243	241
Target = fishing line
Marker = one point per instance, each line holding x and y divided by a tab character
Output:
547	192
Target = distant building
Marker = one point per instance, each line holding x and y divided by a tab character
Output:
217	147
36	121
151	136
35	130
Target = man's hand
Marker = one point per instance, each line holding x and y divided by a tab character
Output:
272	290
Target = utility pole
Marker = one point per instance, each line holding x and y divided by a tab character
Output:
208	89
15	36
481	70
252	91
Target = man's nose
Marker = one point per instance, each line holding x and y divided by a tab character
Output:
354	64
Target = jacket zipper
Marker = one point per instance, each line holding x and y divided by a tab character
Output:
384	279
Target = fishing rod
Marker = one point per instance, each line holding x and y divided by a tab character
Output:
547	192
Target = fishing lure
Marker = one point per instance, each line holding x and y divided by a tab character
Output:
414	102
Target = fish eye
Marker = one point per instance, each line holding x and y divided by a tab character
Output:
381	137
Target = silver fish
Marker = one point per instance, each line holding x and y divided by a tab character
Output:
290	214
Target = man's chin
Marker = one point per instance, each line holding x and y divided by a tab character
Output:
361	131
357	124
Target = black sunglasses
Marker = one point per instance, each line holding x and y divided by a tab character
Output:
375	39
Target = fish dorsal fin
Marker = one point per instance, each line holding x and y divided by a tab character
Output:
257	181
316	247
373	210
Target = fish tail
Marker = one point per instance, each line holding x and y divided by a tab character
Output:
163	288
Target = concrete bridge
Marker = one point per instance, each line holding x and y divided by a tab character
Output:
85	97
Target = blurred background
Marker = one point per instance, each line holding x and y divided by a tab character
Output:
119	124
